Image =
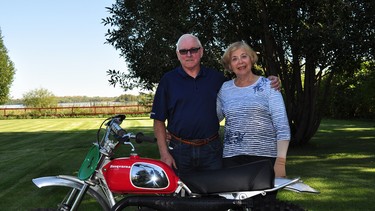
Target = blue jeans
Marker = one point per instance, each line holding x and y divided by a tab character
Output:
190	159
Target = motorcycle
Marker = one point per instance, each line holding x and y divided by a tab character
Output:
150	184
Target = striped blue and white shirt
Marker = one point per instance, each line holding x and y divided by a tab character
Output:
255	118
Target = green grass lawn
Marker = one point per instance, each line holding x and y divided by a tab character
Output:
339	161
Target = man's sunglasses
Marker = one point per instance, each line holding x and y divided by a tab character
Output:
191	50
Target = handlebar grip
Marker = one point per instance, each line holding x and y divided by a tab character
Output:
120	117
140	137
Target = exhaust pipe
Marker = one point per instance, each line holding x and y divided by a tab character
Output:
179	204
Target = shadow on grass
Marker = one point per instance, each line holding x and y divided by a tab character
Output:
340	162
26	156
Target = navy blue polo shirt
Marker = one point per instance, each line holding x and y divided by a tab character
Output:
188	104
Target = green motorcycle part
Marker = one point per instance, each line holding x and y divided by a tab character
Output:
90	163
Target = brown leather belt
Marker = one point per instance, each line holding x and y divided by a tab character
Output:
195	142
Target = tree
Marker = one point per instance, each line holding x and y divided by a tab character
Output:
303	42
7	72
145	99
39	98
126	98
144	35
353	94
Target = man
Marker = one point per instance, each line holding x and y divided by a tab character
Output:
186	98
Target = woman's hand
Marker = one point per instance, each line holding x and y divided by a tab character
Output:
279	167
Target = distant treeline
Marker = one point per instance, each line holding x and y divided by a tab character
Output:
77	99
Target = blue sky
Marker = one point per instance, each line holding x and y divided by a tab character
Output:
59	46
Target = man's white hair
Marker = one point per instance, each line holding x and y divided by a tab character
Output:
187	36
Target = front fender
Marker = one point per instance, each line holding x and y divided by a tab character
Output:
72	182
61	180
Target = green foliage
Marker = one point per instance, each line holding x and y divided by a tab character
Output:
127	98
146	99
284	32
353	94
7	72
146	38
303	42
79	99
39	98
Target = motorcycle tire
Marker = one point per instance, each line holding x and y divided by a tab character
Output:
276	205
62	193
145	209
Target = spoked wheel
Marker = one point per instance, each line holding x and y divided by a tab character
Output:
62	198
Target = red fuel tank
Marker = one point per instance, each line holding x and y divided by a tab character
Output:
139	175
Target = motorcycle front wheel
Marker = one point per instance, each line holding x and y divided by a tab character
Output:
61	198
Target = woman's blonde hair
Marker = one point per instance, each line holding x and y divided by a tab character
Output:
226	58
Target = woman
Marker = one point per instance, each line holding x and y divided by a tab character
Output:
256	123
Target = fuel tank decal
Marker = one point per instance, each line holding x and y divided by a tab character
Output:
146	175
119	167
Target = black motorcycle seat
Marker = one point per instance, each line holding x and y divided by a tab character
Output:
257	175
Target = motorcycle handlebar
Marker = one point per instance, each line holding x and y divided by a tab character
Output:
140	137
122	135
119	132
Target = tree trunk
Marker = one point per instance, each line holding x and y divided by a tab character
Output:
300	99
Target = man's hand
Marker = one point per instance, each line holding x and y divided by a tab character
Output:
169	137
275	82
161	135
168	159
